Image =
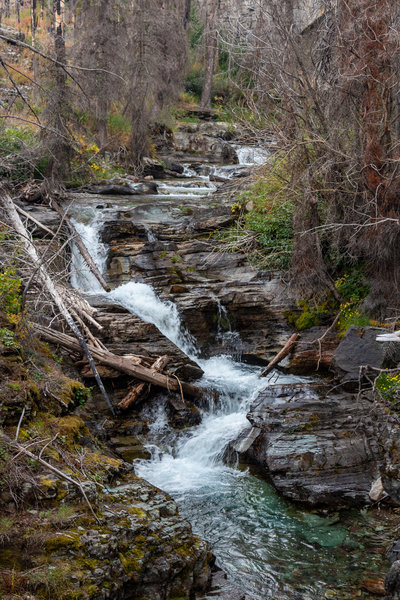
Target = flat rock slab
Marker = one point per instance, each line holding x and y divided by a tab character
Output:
316	446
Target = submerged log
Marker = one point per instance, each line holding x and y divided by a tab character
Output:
122	364
281	355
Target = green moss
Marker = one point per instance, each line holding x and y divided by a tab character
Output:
132	561
63	541
33	392
15	387
311	314
185	210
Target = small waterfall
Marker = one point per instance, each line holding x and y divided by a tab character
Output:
141	300
151	236
81	276
230	340
250	155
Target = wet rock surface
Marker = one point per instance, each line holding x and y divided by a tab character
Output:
86	525
217	293
316	446
208	139
142	548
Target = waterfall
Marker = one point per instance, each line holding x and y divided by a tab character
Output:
81	276
250	155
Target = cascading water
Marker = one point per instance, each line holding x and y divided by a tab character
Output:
250	155
268	548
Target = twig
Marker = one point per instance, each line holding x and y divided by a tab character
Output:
19	424
319	340
60	473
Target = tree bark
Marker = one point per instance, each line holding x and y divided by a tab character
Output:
210	39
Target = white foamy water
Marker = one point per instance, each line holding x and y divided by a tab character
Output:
249	155
81	276
141	300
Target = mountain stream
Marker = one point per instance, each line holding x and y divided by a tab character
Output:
269	548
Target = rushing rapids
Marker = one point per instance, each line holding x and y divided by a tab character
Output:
269	548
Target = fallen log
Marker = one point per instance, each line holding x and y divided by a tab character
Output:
80	245
281	355
122	364
141	390
42	275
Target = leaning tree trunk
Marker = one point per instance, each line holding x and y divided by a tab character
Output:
210	39
46	281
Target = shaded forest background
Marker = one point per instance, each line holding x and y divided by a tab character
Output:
86	84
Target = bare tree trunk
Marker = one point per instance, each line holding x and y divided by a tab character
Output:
35	62
188	6
44	277
57	111
210	39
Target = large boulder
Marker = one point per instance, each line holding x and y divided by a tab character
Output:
360	348
316	446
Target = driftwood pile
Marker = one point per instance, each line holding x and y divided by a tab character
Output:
80	318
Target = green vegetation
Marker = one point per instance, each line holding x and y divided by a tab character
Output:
352	285
265	225
82	394
311	315
10	299
7	338
388	384
350	314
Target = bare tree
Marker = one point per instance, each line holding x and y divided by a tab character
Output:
211	46
101	45
158	56
331	81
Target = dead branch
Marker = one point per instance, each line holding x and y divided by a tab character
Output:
58	472
281	355
44	277
40	225
80	244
